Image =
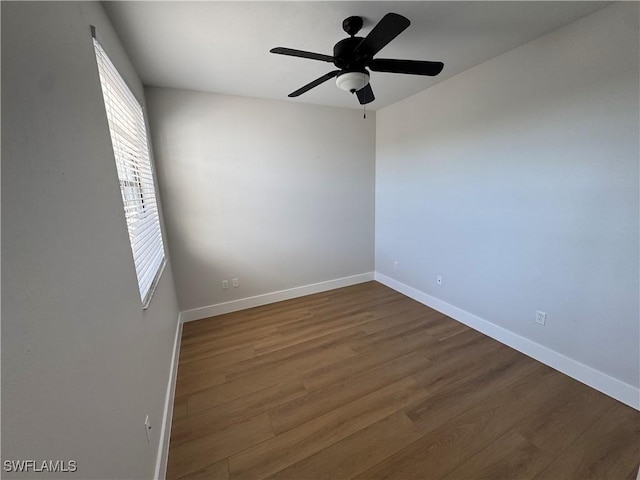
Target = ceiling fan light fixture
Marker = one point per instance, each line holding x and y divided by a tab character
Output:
352	81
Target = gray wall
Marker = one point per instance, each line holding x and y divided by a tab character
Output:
517	182
277	194
82	363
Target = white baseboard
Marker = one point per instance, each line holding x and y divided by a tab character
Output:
264	299
165	431
594	378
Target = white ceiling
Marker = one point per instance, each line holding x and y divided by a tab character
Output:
223	47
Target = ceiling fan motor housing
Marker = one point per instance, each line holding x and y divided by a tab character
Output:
344	56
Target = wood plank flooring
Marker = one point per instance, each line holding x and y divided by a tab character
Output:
365	383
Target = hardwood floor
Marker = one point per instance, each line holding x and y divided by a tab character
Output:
365	383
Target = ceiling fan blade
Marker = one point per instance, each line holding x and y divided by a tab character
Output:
412	67
386	30
301	53
315	83
365	94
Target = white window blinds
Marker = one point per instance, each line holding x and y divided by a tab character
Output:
131	152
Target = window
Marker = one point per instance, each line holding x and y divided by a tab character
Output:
131	152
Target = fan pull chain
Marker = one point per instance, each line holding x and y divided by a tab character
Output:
364	105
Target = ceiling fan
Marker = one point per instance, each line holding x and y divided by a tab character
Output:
353	55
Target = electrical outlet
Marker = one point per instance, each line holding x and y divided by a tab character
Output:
439	280
541	317
225	284
235	283
147	428
396	265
